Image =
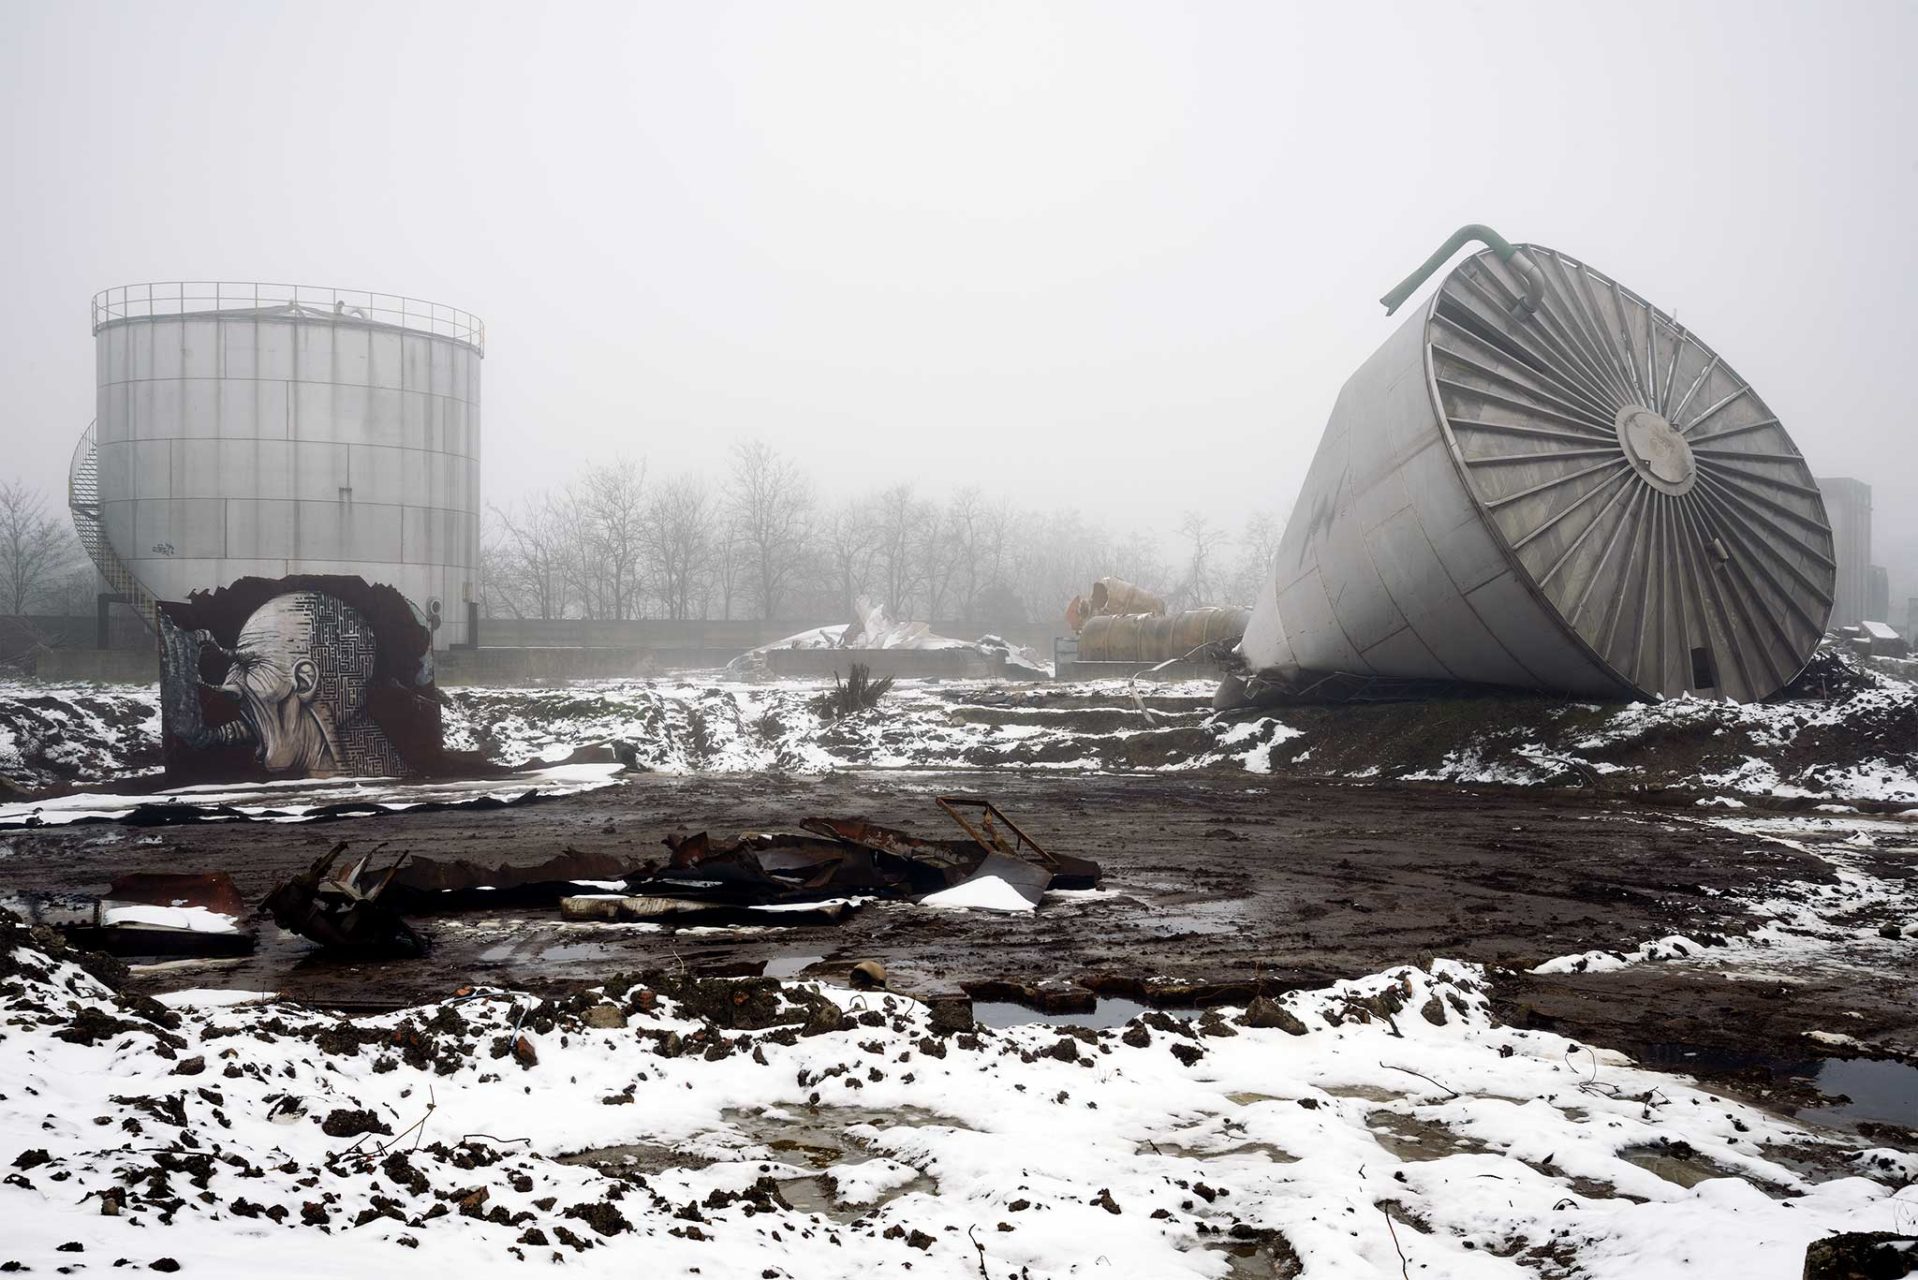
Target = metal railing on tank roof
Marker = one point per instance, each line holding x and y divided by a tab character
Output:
198	297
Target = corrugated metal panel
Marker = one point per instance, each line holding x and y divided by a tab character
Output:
288	439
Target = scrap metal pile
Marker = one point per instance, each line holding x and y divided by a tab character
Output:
344	910
1121	622
813	874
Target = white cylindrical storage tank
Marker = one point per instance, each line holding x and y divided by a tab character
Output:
266	430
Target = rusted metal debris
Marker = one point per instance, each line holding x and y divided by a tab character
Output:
811	876
1110	597
429	885
165	913
342	910
836	858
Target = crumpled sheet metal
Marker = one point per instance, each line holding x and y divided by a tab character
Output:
154	933
851	857
342	910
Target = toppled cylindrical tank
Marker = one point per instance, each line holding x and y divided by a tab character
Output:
1145	637
1541	481
1112	596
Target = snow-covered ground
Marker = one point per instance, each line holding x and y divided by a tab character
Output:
295	799
52	733
1858	744
1809	928
1383	1126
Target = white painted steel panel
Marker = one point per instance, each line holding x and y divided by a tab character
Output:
289	442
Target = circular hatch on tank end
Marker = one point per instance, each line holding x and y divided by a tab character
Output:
1657	452
1637	484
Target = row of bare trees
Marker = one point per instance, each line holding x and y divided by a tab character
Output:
42	569
760	542
755	542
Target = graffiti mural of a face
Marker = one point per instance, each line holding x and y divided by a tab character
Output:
300	673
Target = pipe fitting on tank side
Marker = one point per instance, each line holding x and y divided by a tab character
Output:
1528	302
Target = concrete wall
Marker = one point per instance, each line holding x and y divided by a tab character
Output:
489	666
736	634
901	664
1180	670
98	666
21	632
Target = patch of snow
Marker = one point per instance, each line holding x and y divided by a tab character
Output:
1495	1141
981	893
191	919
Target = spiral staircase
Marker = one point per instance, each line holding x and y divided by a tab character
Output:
83	501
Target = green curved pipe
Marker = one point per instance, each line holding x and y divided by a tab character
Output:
1499	245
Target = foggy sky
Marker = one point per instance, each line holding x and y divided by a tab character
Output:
1108	255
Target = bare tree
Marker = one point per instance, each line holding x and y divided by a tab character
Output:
771	516
895	546
968	525
1200	540
531	559
937	556
36	549
1257	545
846	550
677	534
729	567
609	528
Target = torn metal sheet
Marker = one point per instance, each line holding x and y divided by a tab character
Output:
342	911
435	885
851	857
618	908
159	913
987	826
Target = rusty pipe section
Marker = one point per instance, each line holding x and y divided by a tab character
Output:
1138	637
1109	596
1116	595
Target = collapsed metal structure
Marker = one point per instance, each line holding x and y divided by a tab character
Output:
1541	481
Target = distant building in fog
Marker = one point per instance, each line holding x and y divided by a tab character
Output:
1877	593
1911	619
1848	508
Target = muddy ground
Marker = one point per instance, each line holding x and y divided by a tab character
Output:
1214	884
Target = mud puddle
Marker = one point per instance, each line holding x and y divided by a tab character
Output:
789	966
819	1193
1838	1092
1264	1255
1195	1151
1410	1138
540	953
1875	1090
629	1158
1106	1012
1677	1163
819	1139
